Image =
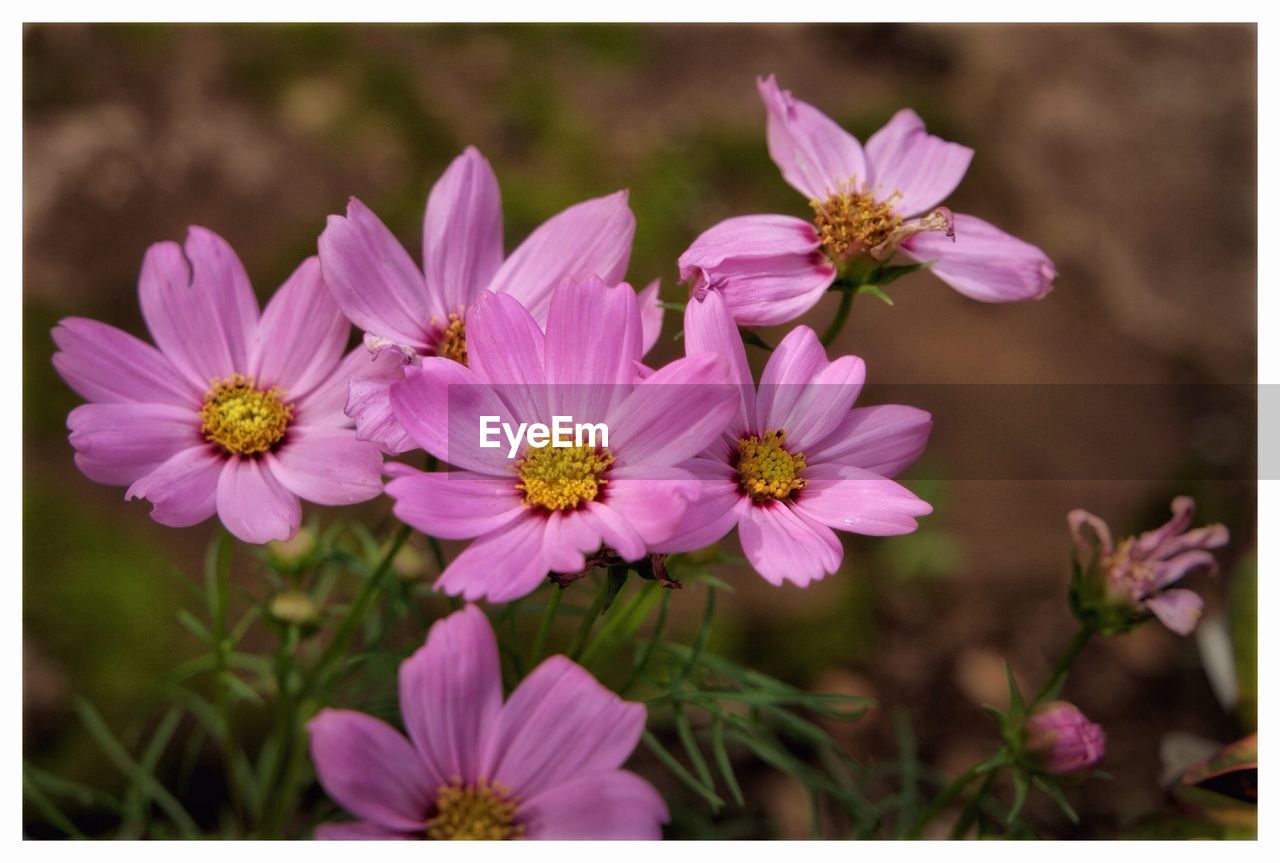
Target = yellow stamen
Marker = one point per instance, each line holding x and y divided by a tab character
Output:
766	470
562	477
453	340
243	419
850	223
474	810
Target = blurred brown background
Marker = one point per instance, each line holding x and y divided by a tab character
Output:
1127	152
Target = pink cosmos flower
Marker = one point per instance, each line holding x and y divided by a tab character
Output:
1138	573
868	204
541	510
408	313
544	765
797	460
235	413
1063	739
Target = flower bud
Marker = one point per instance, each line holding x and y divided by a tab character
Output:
295	553
1062	739
294	606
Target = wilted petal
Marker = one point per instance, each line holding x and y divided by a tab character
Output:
815	155
983	262
920	168
768	269
1177	609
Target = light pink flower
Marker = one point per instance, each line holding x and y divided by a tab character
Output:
1138	573
408	313
234	413
544	765
546	509
798	460
868	204
1063	739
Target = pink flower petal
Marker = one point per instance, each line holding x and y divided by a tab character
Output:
567	539
922	169
302	335
592	238
1177	609
1077	520
451	693
651	314
883	439
709	328
614	531
1179	567
360	391
815	155
183	490
370	769
558	724
252	503
1184	512
713	513
983	262
769	269
119	443
614	804
674	414
500	566
440	404
202	315
358	830
651	500
803	394
456	504
104	364
462	231
373	279
785	545
593	343
327	466
859	501
505	348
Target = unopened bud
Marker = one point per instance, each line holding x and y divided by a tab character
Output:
1062	738
294	606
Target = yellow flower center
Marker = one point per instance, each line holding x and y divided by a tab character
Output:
854	222
474	810
243	419
562	477
453	340
766	470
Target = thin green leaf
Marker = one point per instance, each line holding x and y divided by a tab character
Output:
685	732
888	275
721	755
1051	787
875	291
1021	784
671	763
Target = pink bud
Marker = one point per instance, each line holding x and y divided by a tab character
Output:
1064	738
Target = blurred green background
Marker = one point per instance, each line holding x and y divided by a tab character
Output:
1127	152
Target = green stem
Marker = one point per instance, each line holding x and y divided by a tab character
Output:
220	600
544	627
948	794
1059	676
580	639
842	315
972	808
356	614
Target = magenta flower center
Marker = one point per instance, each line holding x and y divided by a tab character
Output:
851	223
243	419
474	810
562	478
767	470
453	340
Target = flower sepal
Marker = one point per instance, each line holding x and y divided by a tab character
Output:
1096	604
